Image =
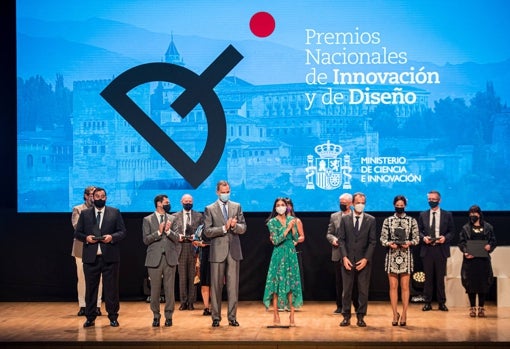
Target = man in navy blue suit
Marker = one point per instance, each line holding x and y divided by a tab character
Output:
101	228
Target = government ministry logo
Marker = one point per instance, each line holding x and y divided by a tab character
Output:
331	171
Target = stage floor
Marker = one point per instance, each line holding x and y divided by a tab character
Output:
55	324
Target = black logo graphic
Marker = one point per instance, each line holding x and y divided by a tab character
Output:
198	89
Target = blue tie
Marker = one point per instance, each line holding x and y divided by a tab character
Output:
224	211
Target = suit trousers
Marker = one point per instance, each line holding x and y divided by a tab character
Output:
434	266
110	274
228	271
81	285
186	269
352	279
165	274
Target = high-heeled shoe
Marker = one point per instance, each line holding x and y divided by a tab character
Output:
291	321
395	322
403	321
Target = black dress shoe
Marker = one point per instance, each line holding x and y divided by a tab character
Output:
338	311
427	307
183	306
89	323
162	299
361	322
155	323
215	323
148	300
443	307
168	322
206	312
233	323
114	323
345	322
98	311
191	307
81	312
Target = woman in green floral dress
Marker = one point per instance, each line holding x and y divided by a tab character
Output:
283	283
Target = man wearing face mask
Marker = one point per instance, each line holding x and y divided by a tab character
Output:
187	221
223	223
356	240
436	229
101	228
334	222
162	257
77	250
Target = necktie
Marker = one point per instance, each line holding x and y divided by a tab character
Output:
356	225
98	219
161	218
433	225
224	211
188	218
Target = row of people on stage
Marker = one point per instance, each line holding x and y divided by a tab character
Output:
352	234
172	241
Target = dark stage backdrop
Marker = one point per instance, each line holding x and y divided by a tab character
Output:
36	262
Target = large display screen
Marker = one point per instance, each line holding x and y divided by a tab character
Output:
301	99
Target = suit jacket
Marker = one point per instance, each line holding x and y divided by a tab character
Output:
357	245
332	234
112	224
446	228
223	243
159	244
197	219
77	249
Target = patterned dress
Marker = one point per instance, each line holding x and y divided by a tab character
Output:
283	275
399	260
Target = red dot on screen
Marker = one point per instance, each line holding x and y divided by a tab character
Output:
262	24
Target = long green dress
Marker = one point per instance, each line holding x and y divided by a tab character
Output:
283	274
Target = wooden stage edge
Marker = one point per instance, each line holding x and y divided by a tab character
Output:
55	325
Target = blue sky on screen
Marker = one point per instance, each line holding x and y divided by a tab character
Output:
460	31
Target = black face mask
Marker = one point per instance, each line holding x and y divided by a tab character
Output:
433	204
473	219
187	207
343	207
99	203
166	208
400	209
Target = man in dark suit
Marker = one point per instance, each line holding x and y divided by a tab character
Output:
223	223
186	223
436	231
162	257
357	240
345	201
77	250
101	228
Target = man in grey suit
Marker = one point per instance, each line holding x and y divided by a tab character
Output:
162	257
101	228
223	223
186	223
345	201
357	240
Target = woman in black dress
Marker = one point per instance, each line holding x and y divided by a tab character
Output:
476	272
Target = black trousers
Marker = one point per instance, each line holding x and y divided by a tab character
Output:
434	266
110	273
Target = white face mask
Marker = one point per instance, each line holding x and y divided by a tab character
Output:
359	207
281	209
